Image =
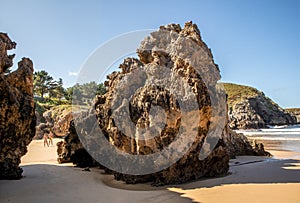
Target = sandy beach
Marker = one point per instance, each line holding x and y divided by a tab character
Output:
251	179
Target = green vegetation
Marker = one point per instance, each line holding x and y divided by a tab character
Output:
46	104
57	110
238	93
45	84
40	109
84	92
49	92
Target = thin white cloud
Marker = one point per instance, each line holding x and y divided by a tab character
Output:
73	73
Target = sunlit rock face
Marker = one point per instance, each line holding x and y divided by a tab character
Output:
294	112
17	115
164	112
163	100
57	119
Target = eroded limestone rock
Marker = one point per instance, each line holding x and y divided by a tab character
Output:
168	91
57	119
169	95
17	116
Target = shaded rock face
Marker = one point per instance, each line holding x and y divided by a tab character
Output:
71	150
237	144
258	112
17	115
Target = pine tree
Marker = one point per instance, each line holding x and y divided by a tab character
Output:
42	83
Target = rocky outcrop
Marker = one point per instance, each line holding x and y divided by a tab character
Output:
147	109
71	150
250	108
17	117
295	112
57	119
168	93
237	144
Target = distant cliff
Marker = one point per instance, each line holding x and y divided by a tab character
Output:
250	108
295	112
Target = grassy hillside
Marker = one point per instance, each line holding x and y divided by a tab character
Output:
45	104
237	93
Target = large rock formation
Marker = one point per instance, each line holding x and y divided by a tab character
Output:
168	98
250	108
17	117
162	100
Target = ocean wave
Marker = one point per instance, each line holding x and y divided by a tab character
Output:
252	133
290	133
276	138
283	126
281	130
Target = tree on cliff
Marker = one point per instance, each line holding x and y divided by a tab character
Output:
42	83
56	90
101	89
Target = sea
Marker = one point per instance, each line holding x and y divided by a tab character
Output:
283	138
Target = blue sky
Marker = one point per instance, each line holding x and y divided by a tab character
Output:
254	42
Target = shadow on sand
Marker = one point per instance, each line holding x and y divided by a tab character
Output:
62	183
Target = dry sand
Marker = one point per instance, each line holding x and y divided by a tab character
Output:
252	179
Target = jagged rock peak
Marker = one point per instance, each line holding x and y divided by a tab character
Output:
5	45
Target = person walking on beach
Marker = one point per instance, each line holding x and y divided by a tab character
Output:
46	140
50	137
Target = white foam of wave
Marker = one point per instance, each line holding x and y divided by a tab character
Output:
283	126
251	133
281	130
277	138
291	133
